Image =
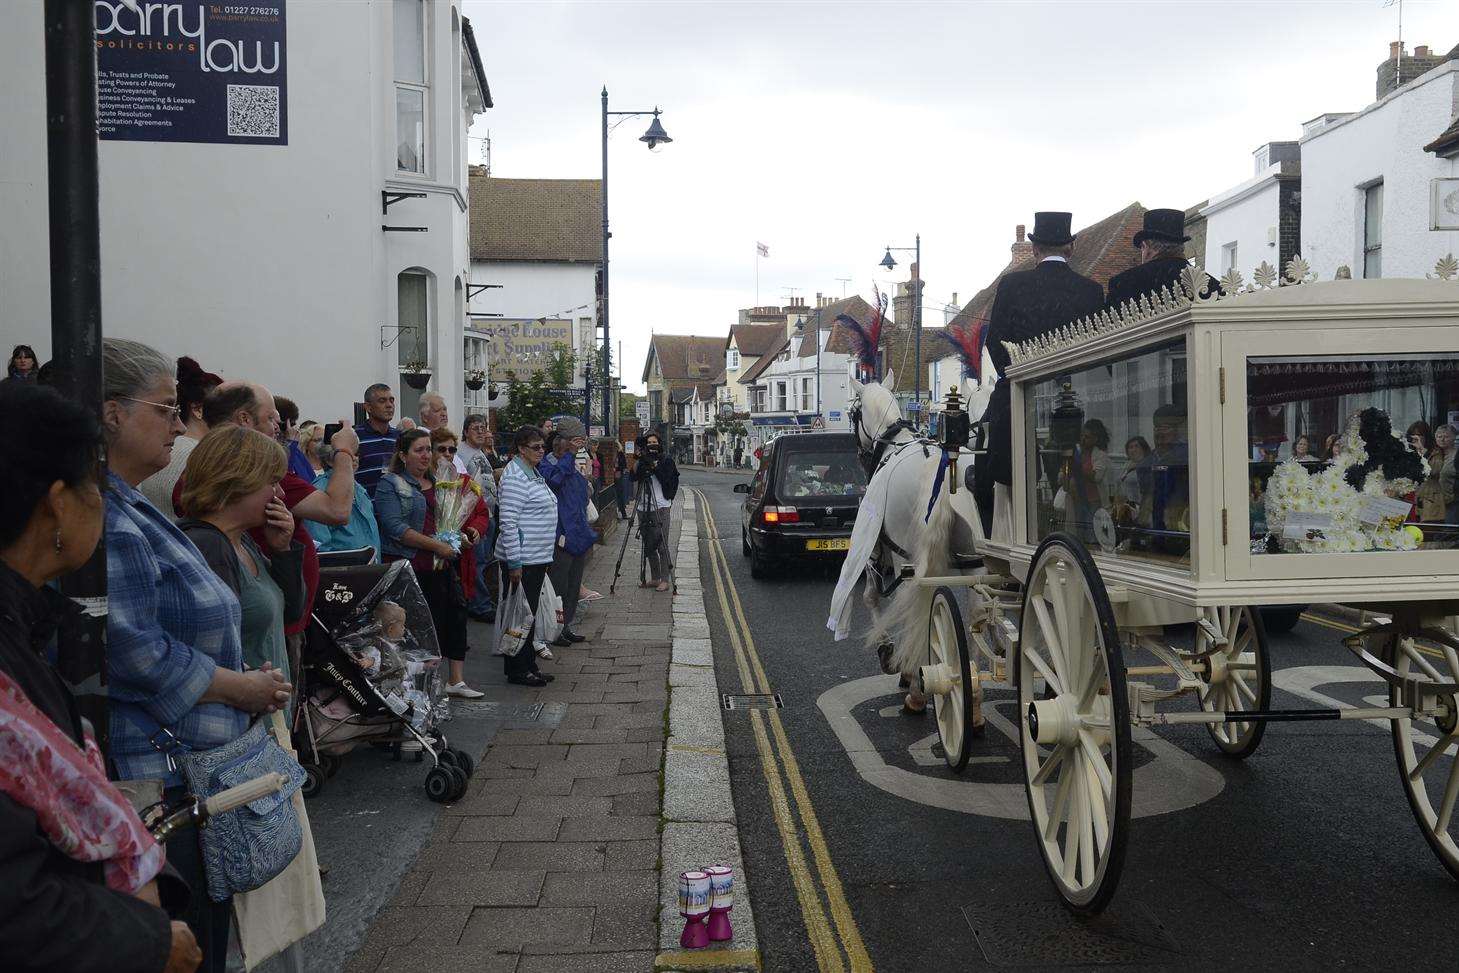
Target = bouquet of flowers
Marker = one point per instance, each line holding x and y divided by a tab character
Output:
1357	503
456	500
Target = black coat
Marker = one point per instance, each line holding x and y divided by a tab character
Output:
664	471
56	913
1147	277
1028	303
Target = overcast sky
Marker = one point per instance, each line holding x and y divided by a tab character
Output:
828	130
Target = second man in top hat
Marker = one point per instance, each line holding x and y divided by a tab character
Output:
1028	303
1161	243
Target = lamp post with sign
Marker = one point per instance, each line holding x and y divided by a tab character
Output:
888	262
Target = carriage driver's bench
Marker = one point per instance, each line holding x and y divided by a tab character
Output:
1157	501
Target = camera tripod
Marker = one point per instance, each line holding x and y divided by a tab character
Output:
648	532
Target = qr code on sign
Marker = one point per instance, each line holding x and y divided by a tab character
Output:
253	111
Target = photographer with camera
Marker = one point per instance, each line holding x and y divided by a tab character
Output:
658	481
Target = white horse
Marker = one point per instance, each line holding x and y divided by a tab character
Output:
894	527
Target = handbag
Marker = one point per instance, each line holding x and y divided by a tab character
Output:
246	847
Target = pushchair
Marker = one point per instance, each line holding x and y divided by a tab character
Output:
371	675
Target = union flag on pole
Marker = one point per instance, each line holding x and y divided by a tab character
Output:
762	250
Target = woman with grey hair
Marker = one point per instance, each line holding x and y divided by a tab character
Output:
174	654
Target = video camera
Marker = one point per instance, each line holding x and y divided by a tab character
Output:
649	453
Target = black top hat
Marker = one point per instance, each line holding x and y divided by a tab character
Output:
1052	229
1163	224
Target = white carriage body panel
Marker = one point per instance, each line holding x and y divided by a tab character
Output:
1374	320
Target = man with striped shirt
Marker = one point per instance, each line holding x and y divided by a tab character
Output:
377	435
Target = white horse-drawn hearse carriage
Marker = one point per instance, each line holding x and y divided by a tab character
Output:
1156	502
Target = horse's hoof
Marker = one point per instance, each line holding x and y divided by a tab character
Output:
884	657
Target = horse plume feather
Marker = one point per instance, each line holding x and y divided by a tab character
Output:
967	340
866	339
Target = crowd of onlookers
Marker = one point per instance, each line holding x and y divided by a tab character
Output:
215	504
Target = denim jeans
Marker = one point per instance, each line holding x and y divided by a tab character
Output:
481	602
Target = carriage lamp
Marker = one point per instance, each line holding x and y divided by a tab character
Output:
955	431
1068	416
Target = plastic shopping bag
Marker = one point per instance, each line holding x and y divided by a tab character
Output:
548	606
513	621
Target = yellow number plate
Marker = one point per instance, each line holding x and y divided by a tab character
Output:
831	544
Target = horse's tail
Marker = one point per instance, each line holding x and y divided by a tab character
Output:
905	620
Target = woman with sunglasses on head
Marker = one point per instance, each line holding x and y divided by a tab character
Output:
174	653
405	506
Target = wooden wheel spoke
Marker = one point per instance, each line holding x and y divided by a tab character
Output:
1051	677
1051	639
1413	654
1096	759
1057	808
1098	809
1434	753
1243	689
1446	808
1086	828
1049	766
1055	589
1073	829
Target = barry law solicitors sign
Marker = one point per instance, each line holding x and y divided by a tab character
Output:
192	72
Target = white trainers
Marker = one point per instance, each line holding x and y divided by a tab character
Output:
543	652
463	690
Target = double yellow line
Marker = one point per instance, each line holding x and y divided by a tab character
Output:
836	941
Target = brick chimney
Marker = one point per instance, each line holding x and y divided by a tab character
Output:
1401	67
1021	246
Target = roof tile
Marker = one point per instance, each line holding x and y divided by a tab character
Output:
536	219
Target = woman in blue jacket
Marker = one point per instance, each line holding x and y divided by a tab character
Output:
575	539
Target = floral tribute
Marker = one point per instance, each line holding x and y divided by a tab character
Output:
456	498
1358	502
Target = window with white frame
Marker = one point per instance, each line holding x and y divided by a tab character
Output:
780	405
731	359
1373	230
412	91
1228	257
806	394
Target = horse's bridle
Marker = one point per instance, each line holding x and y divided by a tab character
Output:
870	460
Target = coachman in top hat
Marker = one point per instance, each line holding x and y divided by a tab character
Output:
1162	259
1028	303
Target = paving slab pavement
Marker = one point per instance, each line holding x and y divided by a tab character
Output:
551	862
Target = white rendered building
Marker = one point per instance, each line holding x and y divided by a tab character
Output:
1373	198
315	240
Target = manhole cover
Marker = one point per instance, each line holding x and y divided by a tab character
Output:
1042	933
508	712
734	701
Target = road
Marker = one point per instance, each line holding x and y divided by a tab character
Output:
1304	856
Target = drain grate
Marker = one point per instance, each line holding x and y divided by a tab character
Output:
733	701
1040	933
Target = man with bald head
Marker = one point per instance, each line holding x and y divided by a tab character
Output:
433	416
244	404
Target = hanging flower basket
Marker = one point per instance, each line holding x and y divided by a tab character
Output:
416	374
475	380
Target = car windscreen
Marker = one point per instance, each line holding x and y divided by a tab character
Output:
819	474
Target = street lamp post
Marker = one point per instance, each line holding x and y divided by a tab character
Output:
889	263
653	138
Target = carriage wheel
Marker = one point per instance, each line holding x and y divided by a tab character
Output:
950	679
1075	733
1238	676
1425	746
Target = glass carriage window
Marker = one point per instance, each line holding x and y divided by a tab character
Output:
1352	453
1108	456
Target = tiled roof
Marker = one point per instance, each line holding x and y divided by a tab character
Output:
754	340
680	396
686	357
536	219
1101	250
764	362
1447	144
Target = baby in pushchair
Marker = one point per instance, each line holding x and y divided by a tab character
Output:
372	674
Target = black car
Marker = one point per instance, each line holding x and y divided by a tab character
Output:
802	502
